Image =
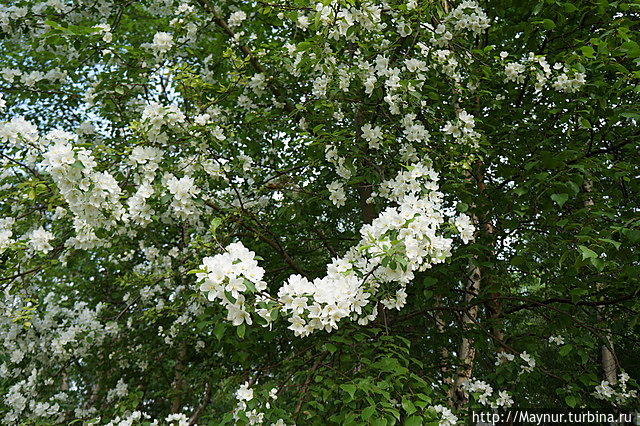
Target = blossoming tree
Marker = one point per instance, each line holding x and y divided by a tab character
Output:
312	212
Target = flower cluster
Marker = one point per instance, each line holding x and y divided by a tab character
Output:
183	190
236	18
32	78
39	240
372	134
558	340
6	233
463	128
244	396
59	328
542	72
447	416
93	196
140	417
162	42
18	132
618	392
155	116
338	20
227	276
336	193
468	16
483	392
530	363
400	241
504	357
148	160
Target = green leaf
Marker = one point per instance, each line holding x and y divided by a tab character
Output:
408	406
380	421
215	223
413	421
584	123
330	347
588	51
274	314
241	330
598	263
571	400
305	45
538	8
587	253
569	7
548	24
564	351
616	244
632	234
250	286
631	48
368	412
560	198
349	388
577	293
218	331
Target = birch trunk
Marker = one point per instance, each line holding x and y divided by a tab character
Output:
607	351
466	350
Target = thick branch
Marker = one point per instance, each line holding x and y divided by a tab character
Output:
205	401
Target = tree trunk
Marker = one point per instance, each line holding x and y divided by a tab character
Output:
178	381
607	351
466	350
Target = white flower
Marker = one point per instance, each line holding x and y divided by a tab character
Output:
303	22
236	18
273	393
182	419
478	386
297	325
162	42
448	418
604	390
558	340
238	316
463	224
121	390
39	240
372	135
145	154
514	72
336	193
183	190
504	400
531	363
410	227
503	357
569	85
244	393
